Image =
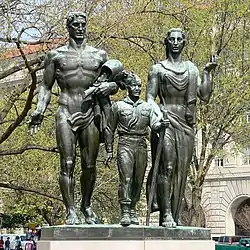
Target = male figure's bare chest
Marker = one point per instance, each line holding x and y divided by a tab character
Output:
68	61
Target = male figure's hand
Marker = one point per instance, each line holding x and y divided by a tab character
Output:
35	122
109	157
106	88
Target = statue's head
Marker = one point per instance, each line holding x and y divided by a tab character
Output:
133	85
76	24
175	41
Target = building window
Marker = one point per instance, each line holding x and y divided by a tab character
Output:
219	162
248	117
246	160
246	154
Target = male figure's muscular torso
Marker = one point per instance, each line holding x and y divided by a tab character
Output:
75	71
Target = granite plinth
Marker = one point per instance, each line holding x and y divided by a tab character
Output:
113	237
117	232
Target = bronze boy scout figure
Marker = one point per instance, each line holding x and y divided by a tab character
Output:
131	117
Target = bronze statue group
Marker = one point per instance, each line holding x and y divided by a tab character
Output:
87	78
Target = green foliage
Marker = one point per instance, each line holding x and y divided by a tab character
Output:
13	221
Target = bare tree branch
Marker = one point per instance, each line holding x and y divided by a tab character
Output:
30	190
28	103
21	66
40	41
137	44
28	147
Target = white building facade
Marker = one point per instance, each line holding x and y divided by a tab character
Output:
226	187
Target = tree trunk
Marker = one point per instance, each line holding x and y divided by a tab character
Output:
196	214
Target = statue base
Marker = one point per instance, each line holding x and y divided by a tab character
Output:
113	237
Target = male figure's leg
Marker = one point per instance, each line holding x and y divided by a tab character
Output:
66	142
125	162
139	173
89	147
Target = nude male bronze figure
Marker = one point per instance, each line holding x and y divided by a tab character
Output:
75	67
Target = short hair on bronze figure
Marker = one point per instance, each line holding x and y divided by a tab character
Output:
184	36
131	78
73	15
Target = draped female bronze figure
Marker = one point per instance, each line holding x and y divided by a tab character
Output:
177	84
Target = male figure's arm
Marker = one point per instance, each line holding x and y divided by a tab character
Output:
113	126
44	94
106	88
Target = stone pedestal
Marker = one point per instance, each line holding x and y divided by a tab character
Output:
115	237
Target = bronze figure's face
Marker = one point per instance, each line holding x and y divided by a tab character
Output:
134	88
77	26
175	42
